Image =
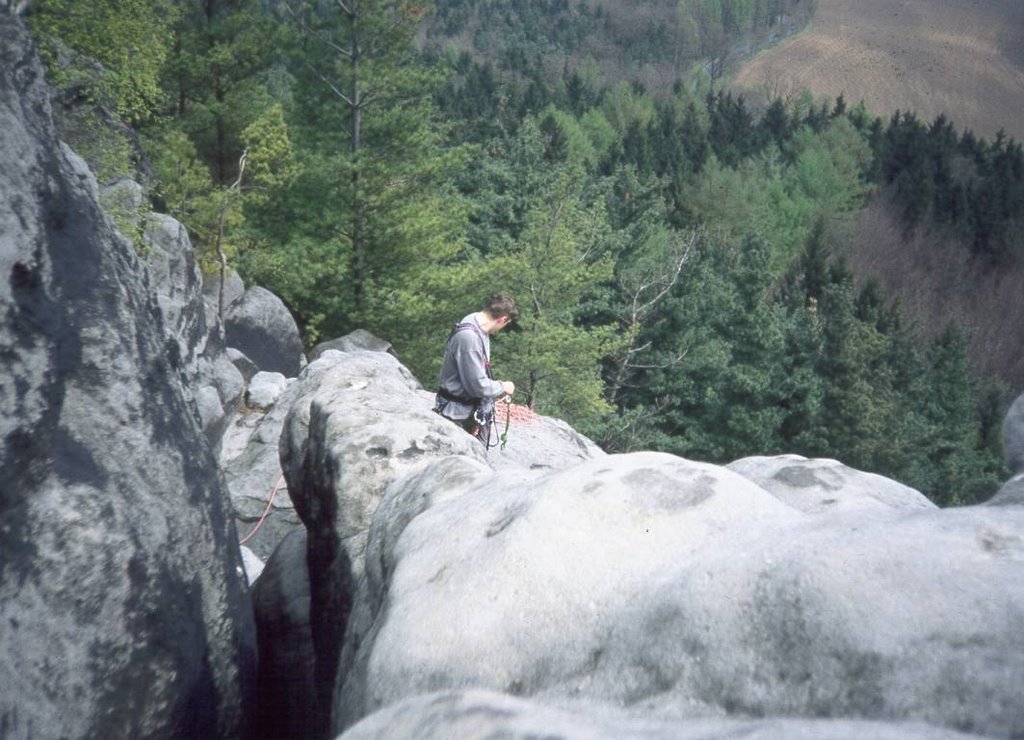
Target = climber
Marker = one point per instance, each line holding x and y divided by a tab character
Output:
467	390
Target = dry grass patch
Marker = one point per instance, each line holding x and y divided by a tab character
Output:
963	58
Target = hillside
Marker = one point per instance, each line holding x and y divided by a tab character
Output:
959	57
651	42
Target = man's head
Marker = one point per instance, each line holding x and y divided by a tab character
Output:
501	310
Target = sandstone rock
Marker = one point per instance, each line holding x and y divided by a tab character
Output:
286	696
538	443
252	470
234	289
477	715
260	326
823	486
174	272
214	384
360	339
684	590
1011	494
243	364
264	390
355	426
357	423
1013	436
252	564
122	604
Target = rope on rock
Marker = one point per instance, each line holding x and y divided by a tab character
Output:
266	511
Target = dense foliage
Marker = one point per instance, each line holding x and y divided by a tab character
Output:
677	258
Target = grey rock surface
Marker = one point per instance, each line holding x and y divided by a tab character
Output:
261	327
242	363
264	390
481	715
684	590
234	289
123	609
360	339
175	275
251	464
1013	436
252	564
286	696
213	382
1011	493
821	486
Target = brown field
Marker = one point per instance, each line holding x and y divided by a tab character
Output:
964	58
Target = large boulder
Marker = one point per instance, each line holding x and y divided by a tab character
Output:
215	385
683	590
286	693
359	422
360	339
251	462
124	610
233	290
1011	493
1013	436
260	326
823	486
479	715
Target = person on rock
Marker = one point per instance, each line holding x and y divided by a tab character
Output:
466	389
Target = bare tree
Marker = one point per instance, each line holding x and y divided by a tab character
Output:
645	290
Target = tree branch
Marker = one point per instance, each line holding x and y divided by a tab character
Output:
330	84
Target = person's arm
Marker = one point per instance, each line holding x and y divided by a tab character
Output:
471	363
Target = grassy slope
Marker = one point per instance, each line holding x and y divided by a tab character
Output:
964	58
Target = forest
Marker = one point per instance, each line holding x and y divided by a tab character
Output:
678	256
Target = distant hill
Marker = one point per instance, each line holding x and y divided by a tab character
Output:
964	58
651	42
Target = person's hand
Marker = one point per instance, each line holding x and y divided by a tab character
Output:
508	387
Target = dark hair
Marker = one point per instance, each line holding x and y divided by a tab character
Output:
499	305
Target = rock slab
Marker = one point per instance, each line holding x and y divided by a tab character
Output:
682	590
123	609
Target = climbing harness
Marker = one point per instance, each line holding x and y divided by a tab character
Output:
482	416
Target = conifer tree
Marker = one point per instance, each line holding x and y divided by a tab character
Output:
371	226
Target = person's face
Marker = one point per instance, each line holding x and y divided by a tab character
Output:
501	322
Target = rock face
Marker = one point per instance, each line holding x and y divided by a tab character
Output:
1011	494
286	706
477	715
360	339
359	421
683	590
823	486
254	478
1013	436
123	609
214	383
261	327
234	289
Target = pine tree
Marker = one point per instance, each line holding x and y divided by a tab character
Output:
371	226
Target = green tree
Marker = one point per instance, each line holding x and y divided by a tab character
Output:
369	231
128	38
217	77
554	266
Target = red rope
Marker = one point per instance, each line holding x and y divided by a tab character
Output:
266	511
